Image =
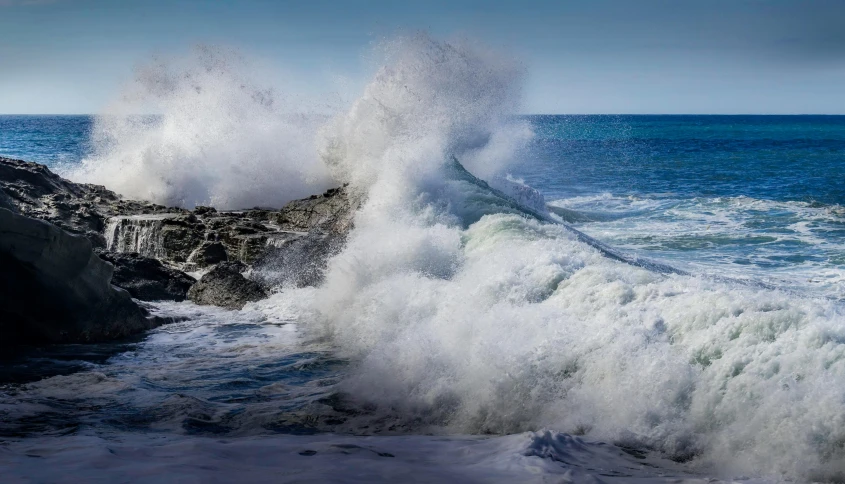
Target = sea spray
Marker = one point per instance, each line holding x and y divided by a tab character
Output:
459	319
216	134
475	322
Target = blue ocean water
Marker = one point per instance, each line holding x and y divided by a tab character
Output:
758	197
753	198
50	140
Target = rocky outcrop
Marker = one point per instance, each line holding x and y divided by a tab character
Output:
54	288
147	279
225	286
185	239
6	202
330	212
150	244
37	192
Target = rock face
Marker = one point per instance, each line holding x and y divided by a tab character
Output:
54	288
208	254
150	244
225	286
330	212
147	279
206	236
77	208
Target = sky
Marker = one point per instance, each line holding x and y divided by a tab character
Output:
596	56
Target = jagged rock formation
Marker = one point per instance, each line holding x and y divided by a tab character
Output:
225	286
330	212
78	208
289	246
147	279
202	238
54	288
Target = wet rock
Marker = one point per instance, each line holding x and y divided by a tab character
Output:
298	262
147	279
225	286
6	202
290	245
179	237
54	288
78	208
330	212
201	210
208	254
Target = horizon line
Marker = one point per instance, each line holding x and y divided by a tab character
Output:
520	114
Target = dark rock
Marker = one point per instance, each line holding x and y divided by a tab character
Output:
78	208
201	210
225	286
6	202
54	288
179	237
330	212
300	261
147	279
291	244
208	254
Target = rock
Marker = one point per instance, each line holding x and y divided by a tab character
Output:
201	210
6	202
77	208
208	254
299	262
289	246
225	286
54	288
147	279
179	237
330	212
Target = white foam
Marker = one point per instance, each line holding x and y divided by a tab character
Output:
221	135
457	322
509	324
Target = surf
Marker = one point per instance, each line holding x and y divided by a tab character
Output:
462	304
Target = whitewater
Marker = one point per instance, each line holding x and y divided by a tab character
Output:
466	330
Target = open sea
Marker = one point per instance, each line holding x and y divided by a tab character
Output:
451	342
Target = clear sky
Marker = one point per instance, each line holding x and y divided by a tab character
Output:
596	56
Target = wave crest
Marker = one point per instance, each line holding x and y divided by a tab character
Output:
219	136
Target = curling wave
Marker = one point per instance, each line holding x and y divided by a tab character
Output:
465	310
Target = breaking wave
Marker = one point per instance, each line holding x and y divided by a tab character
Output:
463	313
464	306
219	135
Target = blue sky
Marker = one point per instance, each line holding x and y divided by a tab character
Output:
598	56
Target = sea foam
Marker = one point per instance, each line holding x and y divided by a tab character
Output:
476	322
456	318
220	135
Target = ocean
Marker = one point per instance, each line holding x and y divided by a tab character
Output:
753	197
457	336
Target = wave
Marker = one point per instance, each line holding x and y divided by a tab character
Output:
220	136
465	306
465	310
